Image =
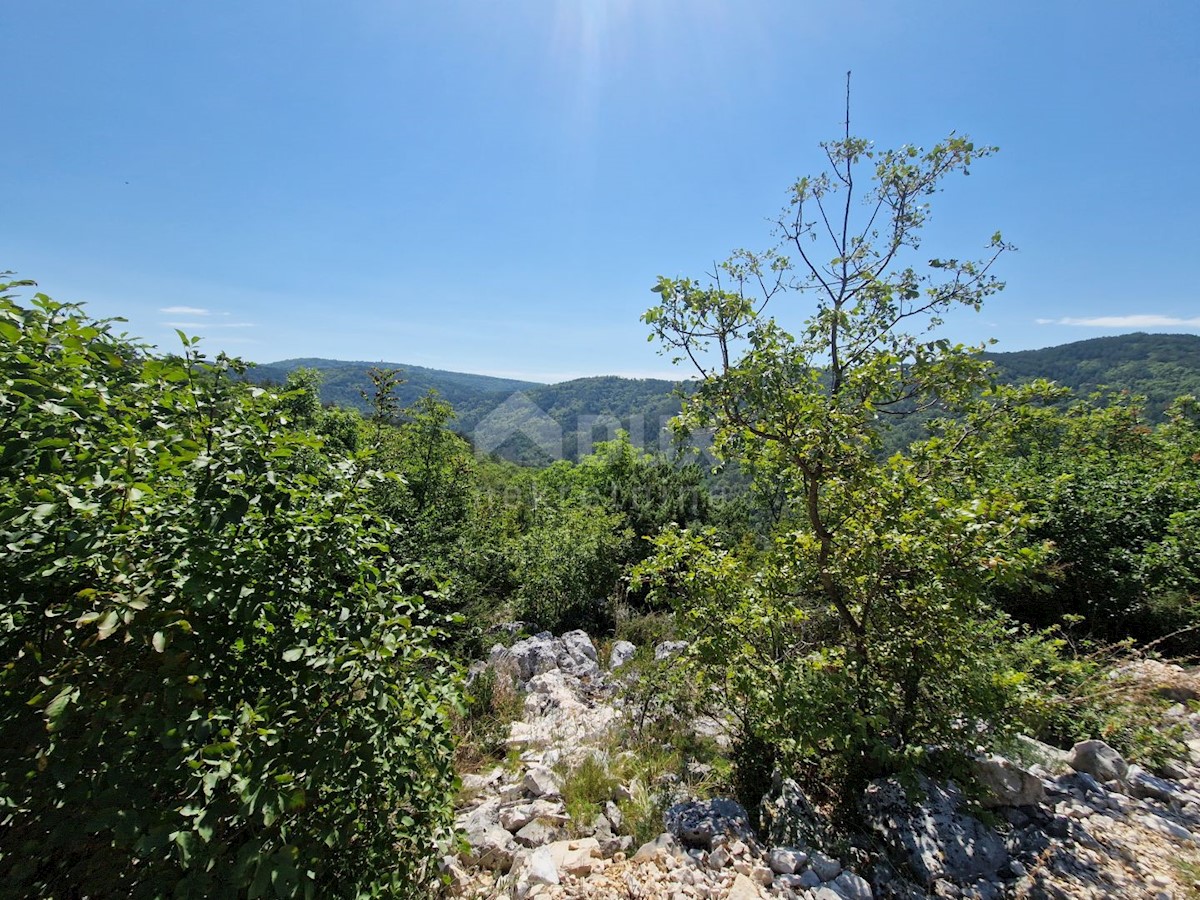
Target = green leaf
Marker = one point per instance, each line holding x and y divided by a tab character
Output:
57	706
108	624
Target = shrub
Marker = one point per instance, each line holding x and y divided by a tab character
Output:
1117	499
211	684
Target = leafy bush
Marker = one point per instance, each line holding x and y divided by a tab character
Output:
1117	500
212	685
1079	691
567	566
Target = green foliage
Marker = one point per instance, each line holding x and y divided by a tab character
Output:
860	635
567	566
493	703
1080	690
431	498
348	384
1159	367
586	788
649	490
1117	499
657	756
553	546
212	683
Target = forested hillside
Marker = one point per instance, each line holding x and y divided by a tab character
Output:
1159	366
344	383
587	410
514	428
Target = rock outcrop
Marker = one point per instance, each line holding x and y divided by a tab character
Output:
1078	824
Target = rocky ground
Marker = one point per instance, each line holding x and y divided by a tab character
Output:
1072	824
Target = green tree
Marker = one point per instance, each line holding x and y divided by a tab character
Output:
431	498
861	634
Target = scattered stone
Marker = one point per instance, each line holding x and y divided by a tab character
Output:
540	868
786	861
529	657
936	840
743	889
490	847
476	782
792	820
696	823
1174	768
1143	785
664	843
1071	832
761	875
667	649
810	879
577	655
852	887
575	857
514	818
1049	759
622	652
541	782
791	882
826	867
1006	784
1167	827
612	812
536	833
1099	760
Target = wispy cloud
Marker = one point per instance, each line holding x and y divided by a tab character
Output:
185	311
207	325
1135	321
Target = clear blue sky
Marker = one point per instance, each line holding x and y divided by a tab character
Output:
493	186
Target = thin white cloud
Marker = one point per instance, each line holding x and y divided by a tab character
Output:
186	311
1135	321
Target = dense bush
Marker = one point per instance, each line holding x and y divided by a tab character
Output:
211	684
1117	500
553	546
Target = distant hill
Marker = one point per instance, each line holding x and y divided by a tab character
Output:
344	381
524	421
585	409
536	423
1158	366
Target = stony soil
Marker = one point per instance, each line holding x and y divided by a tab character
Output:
1136	836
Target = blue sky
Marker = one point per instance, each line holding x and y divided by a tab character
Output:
494	186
